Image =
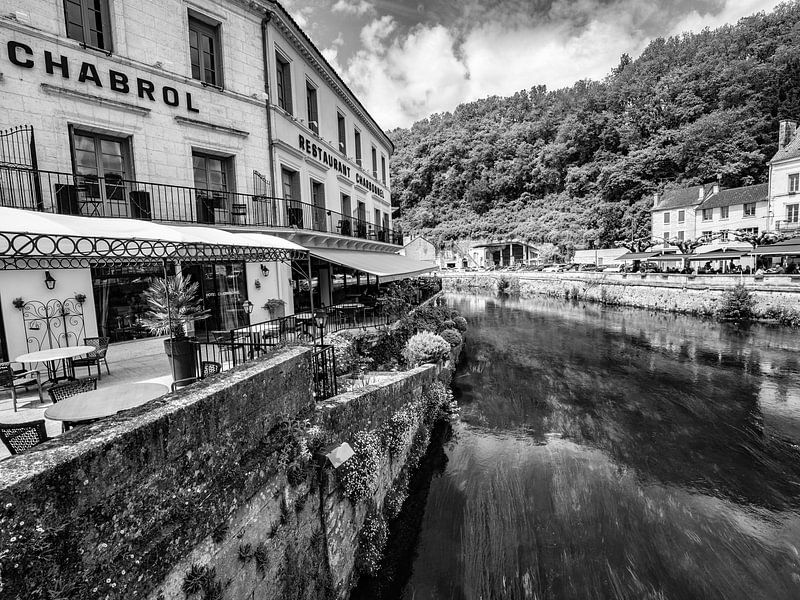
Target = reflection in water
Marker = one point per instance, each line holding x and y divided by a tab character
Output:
606	453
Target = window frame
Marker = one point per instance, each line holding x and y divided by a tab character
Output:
357	145
105	20
202	25
794	183
724	212
383	169
312	106
106	192
341	125
707	214
745	212
681	235
681	216
790	209
283	82
374	162
667	218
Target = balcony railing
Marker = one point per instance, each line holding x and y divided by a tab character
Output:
69	194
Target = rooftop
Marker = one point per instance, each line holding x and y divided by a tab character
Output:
791	150
679	198
740	195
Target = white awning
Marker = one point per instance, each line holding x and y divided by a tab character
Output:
388	267
30	239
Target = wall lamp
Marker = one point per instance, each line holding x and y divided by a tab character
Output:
49	281
248	307
265	270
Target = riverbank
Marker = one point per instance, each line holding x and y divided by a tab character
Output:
689	294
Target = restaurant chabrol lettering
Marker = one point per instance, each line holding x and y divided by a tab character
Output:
23	56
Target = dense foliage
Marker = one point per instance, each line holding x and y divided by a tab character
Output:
580	165
737	305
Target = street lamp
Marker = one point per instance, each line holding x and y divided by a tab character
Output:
248	307
321	319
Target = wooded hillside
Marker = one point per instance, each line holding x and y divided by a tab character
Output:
579	165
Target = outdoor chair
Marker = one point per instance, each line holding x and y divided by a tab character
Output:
209	368
62	391
18	437
95	357
11	379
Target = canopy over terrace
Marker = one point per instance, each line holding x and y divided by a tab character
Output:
387	267
35	240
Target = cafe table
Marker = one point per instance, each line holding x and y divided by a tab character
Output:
104	402
51	358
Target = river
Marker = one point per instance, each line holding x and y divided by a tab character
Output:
612	453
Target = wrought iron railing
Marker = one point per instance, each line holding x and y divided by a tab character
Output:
66	193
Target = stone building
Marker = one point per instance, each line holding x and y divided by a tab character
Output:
217	113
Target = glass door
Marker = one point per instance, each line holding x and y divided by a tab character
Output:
211	186
101	170
318	200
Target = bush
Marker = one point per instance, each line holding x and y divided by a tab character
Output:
359	474
452	337
448	324
425	347
460	323
344	350
372	541
396	429
785	315
737	305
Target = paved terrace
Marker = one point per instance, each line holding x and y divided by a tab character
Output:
136	361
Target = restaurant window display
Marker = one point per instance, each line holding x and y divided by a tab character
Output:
119	300
223	288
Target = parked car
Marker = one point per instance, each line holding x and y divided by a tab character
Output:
553	268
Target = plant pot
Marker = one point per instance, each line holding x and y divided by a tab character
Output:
182	358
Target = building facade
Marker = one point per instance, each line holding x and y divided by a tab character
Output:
212	113
784	180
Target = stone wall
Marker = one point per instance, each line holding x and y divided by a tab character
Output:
694	294
196	495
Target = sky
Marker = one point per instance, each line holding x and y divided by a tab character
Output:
408	60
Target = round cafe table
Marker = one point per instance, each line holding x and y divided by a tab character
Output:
105	402
52	356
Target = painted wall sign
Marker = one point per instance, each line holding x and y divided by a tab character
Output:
322	155
22	55
329	160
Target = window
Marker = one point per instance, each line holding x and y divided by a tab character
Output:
666	218
284	76
290	184
724	211
794	183
705	233
311	106
792	213
383	169
708	214
204	51
103	165
374	163
357	140
723	236
680	235
212	177
345	225
750	230
342	134
361	223
318	200
89	21
666	239
681	216
750	209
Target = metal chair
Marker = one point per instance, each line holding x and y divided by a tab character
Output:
209	368
62	391
95	357
11	379
18	437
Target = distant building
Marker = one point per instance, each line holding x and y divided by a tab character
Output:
419	248
504	253
784	180
600	257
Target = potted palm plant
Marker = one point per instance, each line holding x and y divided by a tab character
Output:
173	303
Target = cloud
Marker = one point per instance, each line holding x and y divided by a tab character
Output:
354	7
405	74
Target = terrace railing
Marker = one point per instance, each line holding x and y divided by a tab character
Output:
70	194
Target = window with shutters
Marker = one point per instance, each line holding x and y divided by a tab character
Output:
283	74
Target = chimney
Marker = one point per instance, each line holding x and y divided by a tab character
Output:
715	189
701	192
786	131
655	200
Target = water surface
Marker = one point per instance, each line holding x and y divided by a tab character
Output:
614	453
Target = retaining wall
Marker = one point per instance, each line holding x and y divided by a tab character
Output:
194	491
695	294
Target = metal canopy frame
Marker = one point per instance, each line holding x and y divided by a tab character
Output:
57	251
